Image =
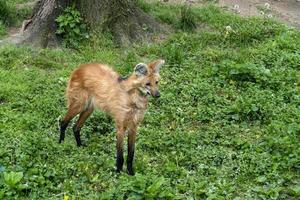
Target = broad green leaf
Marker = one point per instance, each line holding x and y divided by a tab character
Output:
12	178
153	189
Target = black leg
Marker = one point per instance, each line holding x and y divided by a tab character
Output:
131	146
120	161
82	118
72	112
77	135
63	126
120	142
129	162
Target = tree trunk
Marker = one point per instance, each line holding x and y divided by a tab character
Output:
122	18
40	29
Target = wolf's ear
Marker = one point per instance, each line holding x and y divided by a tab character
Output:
141	69
156	65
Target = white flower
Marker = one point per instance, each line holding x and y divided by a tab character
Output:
267	6
236	7
269	16
228	28
262	12
228	31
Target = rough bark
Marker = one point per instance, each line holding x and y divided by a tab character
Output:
122	18
40	29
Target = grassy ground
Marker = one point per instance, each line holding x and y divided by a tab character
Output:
225	127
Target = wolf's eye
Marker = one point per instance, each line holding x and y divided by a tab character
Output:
148	84
156	82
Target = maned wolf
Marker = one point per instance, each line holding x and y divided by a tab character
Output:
125	99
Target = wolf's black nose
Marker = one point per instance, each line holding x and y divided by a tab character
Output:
157	94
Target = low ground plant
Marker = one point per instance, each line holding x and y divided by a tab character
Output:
226	125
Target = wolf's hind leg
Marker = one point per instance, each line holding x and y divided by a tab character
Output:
77	127
72	112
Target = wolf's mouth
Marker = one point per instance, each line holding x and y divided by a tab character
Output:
144	91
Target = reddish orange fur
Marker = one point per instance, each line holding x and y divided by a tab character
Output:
97	86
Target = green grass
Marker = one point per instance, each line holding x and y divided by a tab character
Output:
225	127
2	29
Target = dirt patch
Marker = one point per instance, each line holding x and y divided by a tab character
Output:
286	11
12	31
289	11
242	7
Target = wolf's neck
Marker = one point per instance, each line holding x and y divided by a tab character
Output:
127	82
138	99
137	96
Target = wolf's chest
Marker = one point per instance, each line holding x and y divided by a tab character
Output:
137	113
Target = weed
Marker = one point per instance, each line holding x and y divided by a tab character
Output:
187	20
71	27
2	29
7	12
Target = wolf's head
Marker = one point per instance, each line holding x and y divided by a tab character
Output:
147	77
